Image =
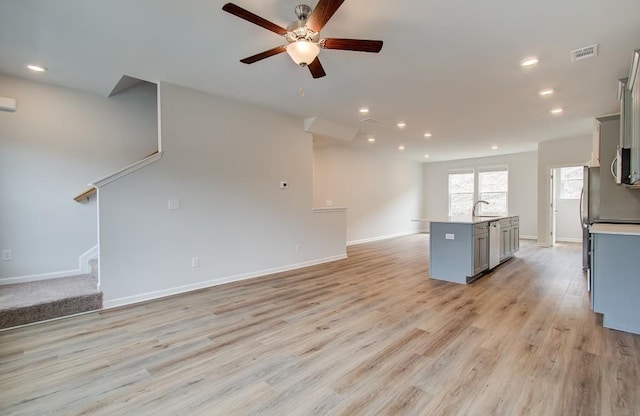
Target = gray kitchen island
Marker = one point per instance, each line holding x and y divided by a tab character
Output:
463	248
615	275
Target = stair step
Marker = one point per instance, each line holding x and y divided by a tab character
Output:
25	303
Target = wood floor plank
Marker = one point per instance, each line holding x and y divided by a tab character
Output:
370	334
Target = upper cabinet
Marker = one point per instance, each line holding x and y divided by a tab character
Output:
624	96
633	117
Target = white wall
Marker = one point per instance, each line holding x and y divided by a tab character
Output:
572	151
568	221
56	142
382	194
224	162
522	187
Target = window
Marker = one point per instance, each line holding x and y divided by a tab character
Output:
461	191
571	182
490	184
493	187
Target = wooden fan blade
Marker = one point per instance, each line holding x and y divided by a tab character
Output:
260	56
358	45
253	18
317	71
322	13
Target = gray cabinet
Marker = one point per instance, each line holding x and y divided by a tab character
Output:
634	124
509	237
480	248
615	280
515	235
505	242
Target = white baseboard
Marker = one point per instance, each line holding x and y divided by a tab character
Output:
83	268
37	277
528	237
382	237
569	240
128	300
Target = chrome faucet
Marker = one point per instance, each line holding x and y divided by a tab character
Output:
473	211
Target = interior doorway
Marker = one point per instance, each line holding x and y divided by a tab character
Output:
566	186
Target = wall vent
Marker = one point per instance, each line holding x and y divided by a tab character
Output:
370	120
584	53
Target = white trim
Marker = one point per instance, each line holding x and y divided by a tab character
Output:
83	260
328	209
98	235
50	320
83	268
382	237
455	171
127	300
159	114
494	168
127	170
528	237
568	240
37	277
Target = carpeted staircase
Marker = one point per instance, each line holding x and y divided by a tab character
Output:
25	303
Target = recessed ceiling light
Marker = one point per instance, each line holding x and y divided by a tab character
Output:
427	134
556	111
402	124
400	147
371	139
37	68
364	110
426	156
529	61
546	91
494	147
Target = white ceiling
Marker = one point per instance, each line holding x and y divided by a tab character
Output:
448	67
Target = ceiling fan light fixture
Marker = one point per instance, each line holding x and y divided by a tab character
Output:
303	52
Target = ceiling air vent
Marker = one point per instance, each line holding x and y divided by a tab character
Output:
584	53
370	120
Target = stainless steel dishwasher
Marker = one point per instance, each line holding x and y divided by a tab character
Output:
494	244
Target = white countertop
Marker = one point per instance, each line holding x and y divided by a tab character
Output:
621	229
467	219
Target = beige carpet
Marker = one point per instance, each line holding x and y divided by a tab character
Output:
25	303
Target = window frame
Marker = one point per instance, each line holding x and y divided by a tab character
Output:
476	172
493	168
561	182
460	171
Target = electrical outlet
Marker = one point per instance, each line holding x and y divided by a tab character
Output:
195	262
329	203
7	255
298	247
174	204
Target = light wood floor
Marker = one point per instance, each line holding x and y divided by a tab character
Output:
367	335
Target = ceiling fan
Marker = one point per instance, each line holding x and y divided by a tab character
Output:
303	36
